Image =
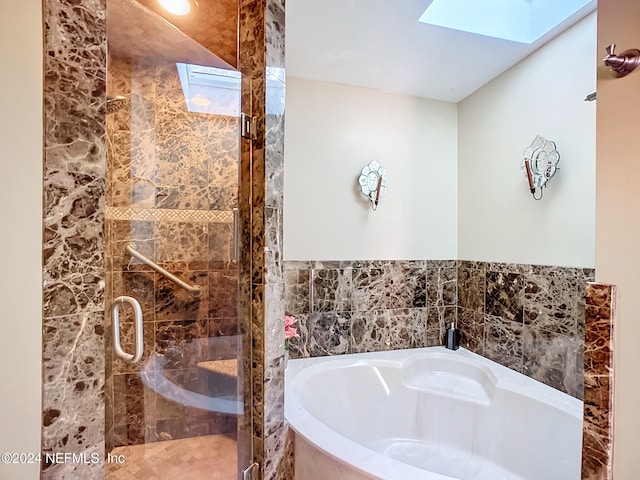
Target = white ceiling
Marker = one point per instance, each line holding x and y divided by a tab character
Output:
380	44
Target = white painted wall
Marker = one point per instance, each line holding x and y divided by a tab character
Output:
543	95
335	130
21	239
618	221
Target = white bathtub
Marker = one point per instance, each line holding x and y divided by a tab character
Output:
428	414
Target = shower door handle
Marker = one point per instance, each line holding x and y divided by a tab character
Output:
235	247
137	326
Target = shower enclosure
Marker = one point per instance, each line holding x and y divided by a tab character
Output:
163	345
172	246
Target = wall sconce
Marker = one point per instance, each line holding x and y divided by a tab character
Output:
373	182
540	164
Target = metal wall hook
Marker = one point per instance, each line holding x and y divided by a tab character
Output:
623	64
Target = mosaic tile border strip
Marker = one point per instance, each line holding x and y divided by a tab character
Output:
169	215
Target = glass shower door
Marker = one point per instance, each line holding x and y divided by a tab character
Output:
173	147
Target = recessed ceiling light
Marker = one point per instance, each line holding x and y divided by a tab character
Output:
522	21
177	7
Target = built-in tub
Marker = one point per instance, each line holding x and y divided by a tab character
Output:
428	414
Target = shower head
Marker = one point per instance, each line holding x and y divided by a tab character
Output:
116	103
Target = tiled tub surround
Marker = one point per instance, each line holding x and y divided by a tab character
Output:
363	306
173	180
527	317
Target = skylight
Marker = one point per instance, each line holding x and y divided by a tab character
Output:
522	21
210	90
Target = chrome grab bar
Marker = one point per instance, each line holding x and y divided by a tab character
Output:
194	290
137	326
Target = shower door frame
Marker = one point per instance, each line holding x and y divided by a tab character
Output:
74	241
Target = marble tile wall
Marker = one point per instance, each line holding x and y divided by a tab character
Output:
529	318
75	263
597	438
160	156
364	306
73	240
262	166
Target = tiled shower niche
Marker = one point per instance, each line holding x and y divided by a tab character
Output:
529	318
171	187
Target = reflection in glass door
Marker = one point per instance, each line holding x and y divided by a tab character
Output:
173	138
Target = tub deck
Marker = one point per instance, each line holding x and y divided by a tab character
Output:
428	414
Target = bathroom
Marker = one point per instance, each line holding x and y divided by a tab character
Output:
614	252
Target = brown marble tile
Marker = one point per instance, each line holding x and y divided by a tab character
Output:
274	322
274	396
471	325
597	446
279	454
73	240
442	286
331	290
296	282
182	344
219	327
391	285
133	403
471	289
504	295
73	383
73	254
503	342
223	294
273	233
221	246
182	245
551	303
407	328
172	302
369	331
324	333
551	359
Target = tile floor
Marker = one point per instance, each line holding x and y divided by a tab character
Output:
212	457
